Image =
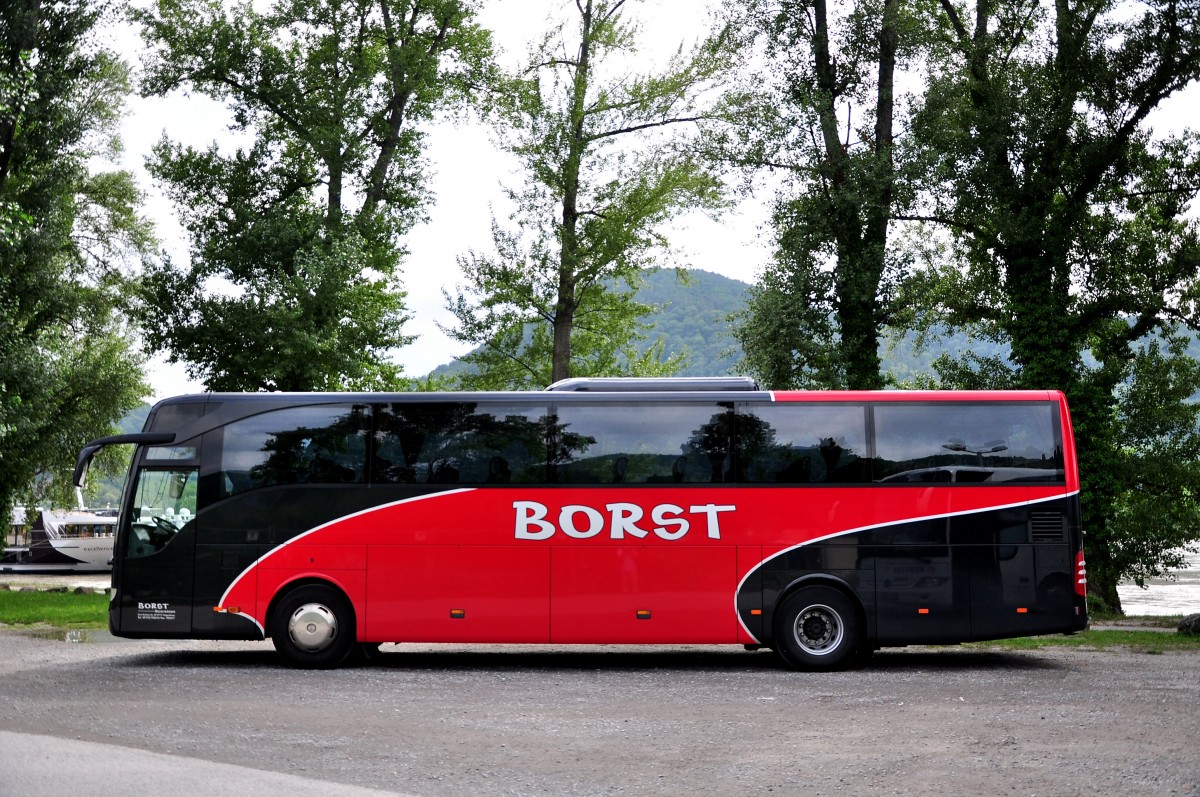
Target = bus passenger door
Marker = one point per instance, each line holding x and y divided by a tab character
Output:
154	559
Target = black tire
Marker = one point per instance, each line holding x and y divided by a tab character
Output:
818	628
313	627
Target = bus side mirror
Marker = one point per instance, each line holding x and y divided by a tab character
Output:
79	478
178	482
89	451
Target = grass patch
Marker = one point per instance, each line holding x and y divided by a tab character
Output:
1129	639
59	609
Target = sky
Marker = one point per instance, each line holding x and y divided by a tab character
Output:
467	173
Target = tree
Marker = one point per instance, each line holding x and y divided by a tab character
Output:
293	280
606	166
1068	214
67	232
815	317
1156	510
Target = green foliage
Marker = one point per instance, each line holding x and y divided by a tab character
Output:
292	283
605	168
1156	511
68	234
325	323
788	330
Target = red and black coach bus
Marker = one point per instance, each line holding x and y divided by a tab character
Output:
821	524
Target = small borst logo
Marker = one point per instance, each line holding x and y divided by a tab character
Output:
620	520
146	605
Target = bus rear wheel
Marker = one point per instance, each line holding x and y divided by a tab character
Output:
818	628
313	627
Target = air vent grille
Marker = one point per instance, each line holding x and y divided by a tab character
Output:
1046	526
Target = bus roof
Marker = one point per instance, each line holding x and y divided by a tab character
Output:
590	390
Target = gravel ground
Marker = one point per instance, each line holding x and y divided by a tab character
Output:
469	720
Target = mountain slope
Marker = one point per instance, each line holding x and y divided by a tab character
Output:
693	320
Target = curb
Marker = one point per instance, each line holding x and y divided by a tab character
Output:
77	590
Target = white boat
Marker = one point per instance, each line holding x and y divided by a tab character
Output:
74	541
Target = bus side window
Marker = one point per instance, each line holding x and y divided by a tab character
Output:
802	443
966	443
319	444
652	443
459	443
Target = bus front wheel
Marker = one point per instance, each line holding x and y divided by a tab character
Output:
313	627
818	628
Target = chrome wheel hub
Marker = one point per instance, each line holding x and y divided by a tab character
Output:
313	627
819	630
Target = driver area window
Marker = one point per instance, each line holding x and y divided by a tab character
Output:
163	504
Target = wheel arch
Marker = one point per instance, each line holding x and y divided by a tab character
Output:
817	580
307	581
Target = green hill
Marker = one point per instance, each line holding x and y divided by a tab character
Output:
693	320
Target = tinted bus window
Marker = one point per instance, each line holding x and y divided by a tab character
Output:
322	444
650	443
164	501
967	443
802	443
460	443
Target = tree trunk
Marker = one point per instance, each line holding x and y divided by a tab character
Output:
1102	577
568	267
861	244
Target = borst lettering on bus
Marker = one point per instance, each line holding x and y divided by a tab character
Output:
155	610
620	520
